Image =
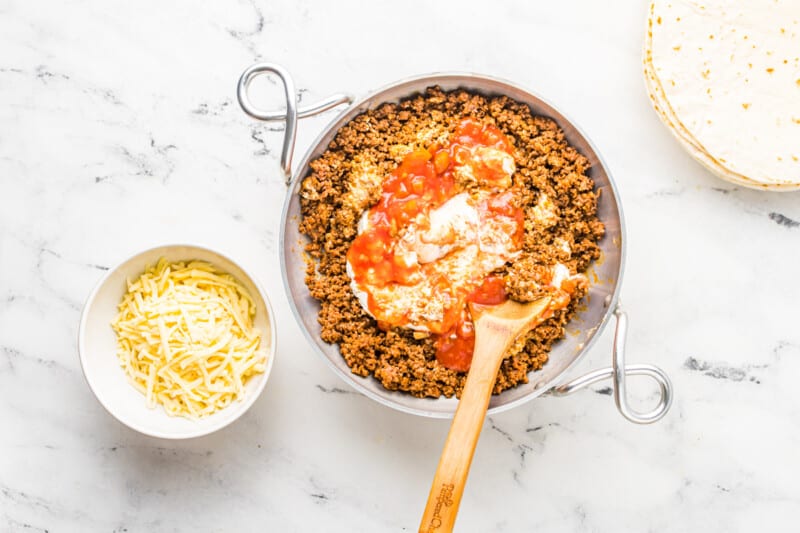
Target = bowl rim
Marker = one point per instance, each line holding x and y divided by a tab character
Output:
247	402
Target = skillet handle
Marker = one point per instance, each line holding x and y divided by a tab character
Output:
290	114
618	371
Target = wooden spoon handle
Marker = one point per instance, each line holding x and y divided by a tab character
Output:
451	474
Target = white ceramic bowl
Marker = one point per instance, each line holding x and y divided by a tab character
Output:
97	345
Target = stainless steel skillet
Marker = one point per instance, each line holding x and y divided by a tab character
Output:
602	303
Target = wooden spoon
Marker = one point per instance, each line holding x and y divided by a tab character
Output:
496	328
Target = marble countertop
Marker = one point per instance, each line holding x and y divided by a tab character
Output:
119	130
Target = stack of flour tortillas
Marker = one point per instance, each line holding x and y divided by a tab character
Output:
724	76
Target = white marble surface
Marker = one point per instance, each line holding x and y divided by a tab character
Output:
119	130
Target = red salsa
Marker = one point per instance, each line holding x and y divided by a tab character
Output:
425	180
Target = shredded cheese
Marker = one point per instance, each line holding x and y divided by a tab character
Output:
185	338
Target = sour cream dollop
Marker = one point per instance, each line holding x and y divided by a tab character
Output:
444	222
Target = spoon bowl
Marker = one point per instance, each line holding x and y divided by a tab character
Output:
496	328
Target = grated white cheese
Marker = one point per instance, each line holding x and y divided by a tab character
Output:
544	212
185	338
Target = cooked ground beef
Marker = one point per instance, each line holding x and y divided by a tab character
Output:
338	189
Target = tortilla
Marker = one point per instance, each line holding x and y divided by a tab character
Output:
664	111
725	79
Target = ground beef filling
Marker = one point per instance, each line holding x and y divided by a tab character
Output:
346	180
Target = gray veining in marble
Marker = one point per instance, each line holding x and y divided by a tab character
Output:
119	130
